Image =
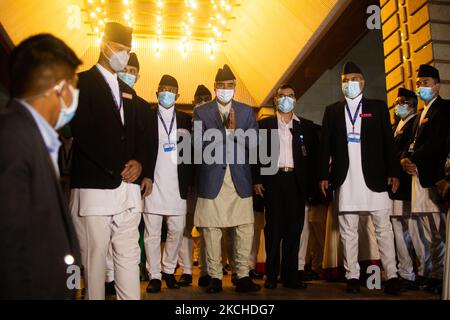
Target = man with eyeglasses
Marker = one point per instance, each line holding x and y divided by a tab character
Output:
424	159
225	185
357	138
107	169
286	192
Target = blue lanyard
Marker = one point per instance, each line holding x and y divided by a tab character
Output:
168	132
355	117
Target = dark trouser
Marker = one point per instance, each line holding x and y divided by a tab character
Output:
285	212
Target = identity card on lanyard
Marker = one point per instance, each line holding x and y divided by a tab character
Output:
353	136
168	147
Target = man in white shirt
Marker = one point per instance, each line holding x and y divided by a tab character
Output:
286	192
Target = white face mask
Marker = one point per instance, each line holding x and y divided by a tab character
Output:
351	89
224	95
67	112
118	60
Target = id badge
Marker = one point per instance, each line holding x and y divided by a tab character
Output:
411	148
354	137
169	147
304	151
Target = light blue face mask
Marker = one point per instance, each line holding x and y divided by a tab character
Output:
166	99
68	112
128	78
286	104
351	89
425	93
402	110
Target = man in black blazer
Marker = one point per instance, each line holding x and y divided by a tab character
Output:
38	241
169	142
424	159
107	165
405	226
286	191
130	75
357	138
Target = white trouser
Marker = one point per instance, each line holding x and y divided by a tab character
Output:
242	245
109	265
348	227
434	231
152	241
185	255
420	245
402	244
203	261
259	227
304	239
227	248
96	234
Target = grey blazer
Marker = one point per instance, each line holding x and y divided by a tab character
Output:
210	176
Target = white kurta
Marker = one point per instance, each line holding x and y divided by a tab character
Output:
421	201
165	198
354	195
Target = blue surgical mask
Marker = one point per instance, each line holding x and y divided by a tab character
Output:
224	95
67	112
166	99
425	93
129	79
351	89
286	104
402	110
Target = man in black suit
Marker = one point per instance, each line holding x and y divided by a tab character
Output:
357	138
38	242
286	191
424	159
171	179
107	165
406	227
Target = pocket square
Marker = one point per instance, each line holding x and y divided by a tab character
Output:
127	96
365	115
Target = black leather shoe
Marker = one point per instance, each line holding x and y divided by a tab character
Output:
110	288
295	285
204	281
270	284
185	280
234	279
392	286
353	286
215	286
408	285
170	280
434	286
247	285
255	275
154	286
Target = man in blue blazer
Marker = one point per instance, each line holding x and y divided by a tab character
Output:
225	138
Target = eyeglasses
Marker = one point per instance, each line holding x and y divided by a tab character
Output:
280	96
